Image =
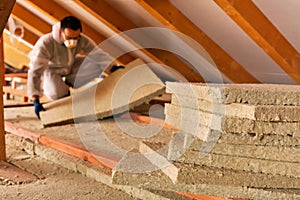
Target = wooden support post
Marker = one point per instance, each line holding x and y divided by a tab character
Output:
2	132
5	10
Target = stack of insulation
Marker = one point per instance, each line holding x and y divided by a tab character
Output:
236	135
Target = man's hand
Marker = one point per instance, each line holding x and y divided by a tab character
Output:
38	107
111	70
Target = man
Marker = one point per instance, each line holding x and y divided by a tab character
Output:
58	59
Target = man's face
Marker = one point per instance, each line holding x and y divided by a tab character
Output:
69	34
70	37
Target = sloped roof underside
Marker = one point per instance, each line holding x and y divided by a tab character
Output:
231	41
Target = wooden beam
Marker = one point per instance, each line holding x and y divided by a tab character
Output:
120	22
63	146
173	19
28	36
112	29
30	20
2	131
15	53
14	58
204	197
56	12
5	10
264	33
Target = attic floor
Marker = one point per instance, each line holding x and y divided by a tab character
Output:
55	182
67	184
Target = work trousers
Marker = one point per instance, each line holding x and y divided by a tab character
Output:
57	81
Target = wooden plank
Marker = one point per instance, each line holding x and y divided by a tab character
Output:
5	10
16	53
264	33
61	145
56	12
2	132
74	150
28	36
17	105
9	90
35	24
147	120
204	197
22	132
6	7
21	75
82	106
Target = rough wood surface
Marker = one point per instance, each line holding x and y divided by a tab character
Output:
6	7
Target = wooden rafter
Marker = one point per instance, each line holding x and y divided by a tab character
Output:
109	27
6	7
121	23
15	53
2	132
28	36
173	19
57	12
30	20
264	33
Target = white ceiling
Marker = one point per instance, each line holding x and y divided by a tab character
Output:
212	20
217	25
285	16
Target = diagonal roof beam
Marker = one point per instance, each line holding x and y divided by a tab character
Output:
16	52
6	7
28	36
173	19
30	20
93	20
54	13
122	23
264	33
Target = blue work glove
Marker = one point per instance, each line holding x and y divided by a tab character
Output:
116	67
38	107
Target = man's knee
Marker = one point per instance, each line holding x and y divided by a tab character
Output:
58	94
